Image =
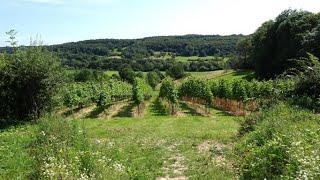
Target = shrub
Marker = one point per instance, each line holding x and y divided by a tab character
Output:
308	86
83	75
281	142
176	71
28	81
127	74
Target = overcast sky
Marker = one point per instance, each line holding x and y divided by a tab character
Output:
58	21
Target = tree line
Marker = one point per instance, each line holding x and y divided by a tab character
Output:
279	45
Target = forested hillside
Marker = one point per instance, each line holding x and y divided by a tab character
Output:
146	54
189	45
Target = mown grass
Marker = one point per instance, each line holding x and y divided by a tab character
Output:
141	144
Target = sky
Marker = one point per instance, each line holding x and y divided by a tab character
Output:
59	21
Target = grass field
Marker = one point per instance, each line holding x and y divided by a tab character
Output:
190	145
195	58
234	75
187	58
222	74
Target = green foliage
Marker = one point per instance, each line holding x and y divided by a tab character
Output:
28	82
153	79
86	75
224	89
308	87
141	91
242	90
239	90
83	94
169	92
2	61
244	48
127	74
59	151
312	39
195	88
280	143
290	36
176	71
83	76
12	38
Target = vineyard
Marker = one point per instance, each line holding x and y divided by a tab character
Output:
83	94
233	95
153	127
165	108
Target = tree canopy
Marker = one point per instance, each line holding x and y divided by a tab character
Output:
290	36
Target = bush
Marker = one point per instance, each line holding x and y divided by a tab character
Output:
308	86
83	75
153	79
280	143
28	81
86	75
176	71
127	74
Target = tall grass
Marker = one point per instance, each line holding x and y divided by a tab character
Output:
61	150
280	143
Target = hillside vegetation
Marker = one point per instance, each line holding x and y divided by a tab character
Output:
147	54
58	122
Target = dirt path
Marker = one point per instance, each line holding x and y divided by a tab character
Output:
81	113
196	109
174	167
112	110
218	152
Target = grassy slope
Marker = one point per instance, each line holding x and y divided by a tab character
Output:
236	75
145	146
220	74
142	144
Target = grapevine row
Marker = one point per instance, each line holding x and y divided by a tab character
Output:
82	94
